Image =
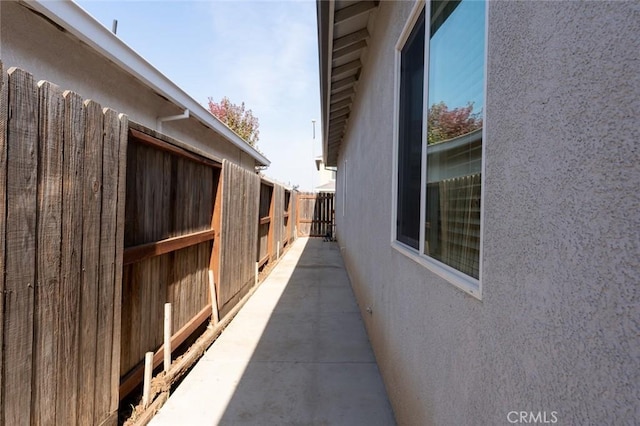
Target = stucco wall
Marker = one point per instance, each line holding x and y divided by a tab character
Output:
30	42
558	325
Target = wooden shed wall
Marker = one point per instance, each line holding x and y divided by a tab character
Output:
62	165
239	231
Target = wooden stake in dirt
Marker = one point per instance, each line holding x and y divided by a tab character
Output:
257	265
148	372
278	251
214	301
167	336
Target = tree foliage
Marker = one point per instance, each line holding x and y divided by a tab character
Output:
237	118
444	124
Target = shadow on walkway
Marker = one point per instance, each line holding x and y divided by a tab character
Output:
297	353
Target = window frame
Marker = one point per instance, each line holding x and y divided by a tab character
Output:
459	279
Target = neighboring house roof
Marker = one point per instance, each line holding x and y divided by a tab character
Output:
79	23
327	187
343	30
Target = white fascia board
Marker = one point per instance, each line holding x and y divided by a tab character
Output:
82	25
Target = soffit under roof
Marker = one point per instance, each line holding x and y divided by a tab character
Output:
344	27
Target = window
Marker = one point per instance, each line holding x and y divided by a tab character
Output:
439	147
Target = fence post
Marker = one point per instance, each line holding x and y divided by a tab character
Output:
148	371
167	336
214	300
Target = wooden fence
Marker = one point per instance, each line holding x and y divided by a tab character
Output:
265	230
105	221
61	186
168	247
239	230
315	214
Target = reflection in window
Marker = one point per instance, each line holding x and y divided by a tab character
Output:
454	133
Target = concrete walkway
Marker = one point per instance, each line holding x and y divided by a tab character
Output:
296	354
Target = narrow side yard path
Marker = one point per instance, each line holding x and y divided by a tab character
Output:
297	353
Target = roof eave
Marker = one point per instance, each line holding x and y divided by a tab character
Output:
325	39
80	24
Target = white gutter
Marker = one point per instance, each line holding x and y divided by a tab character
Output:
78	22
325	133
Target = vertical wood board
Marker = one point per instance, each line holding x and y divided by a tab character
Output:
49	236
20	247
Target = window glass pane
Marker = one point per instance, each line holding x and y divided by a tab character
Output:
454	133
410	136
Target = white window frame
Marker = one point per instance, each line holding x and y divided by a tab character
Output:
460	280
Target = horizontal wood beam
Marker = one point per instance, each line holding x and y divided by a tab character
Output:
336	134
134	377
264	260
343	84
336	122
336	137
341	113
264	220
349	39
343	95
337	128
352	48
352	11
138	136
145	251
340	104
348	67
315	221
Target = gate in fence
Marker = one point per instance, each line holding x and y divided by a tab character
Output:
316	213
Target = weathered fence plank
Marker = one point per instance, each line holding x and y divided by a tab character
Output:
22	147
91	209
106	290
3	204
71	261
118	263
49	235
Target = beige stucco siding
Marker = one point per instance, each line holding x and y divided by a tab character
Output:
556	329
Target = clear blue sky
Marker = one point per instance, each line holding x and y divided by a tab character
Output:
456	60
261	52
